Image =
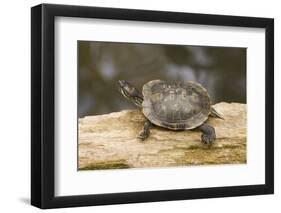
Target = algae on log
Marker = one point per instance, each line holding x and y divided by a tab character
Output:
109	141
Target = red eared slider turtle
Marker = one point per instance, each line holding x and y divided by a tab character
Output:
174	105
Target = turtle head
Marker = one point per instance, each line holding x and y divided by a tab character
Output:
130	92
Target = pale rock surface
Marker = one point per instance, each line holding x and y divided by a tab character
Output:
109	141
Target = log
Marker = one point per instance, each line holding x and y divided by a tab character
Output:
109	141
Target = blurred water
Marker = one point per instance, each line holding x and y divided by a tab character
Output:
221	70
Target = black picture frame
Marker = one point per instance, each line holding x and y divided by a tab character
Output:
43	105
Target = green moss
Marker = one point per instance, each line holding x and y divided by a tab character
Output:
106	165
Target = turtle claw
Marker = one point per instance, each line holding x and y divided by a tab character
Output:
208	139
142	135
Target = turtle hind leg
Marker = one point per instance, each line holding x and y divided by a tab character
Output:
209	134
145	132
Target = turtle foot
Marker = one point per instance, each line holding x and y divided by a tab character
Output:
145	132
209	134
208	138
142	135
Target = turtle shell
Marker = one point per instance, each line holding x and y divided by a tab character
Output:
176	105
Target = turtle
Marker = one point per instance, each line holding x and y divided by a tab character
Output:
174	105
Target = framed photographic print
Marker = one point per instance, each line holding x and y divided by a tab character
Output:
139	106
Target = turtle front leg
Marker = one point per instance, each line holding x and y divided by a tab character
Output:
145	132
209	134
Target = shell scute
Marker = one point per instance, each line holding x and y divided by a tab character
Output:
176	105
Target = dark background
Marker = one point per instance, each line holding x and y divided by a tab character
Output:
221	70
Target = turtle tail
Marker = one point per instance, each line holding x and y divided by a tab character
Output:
215	114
